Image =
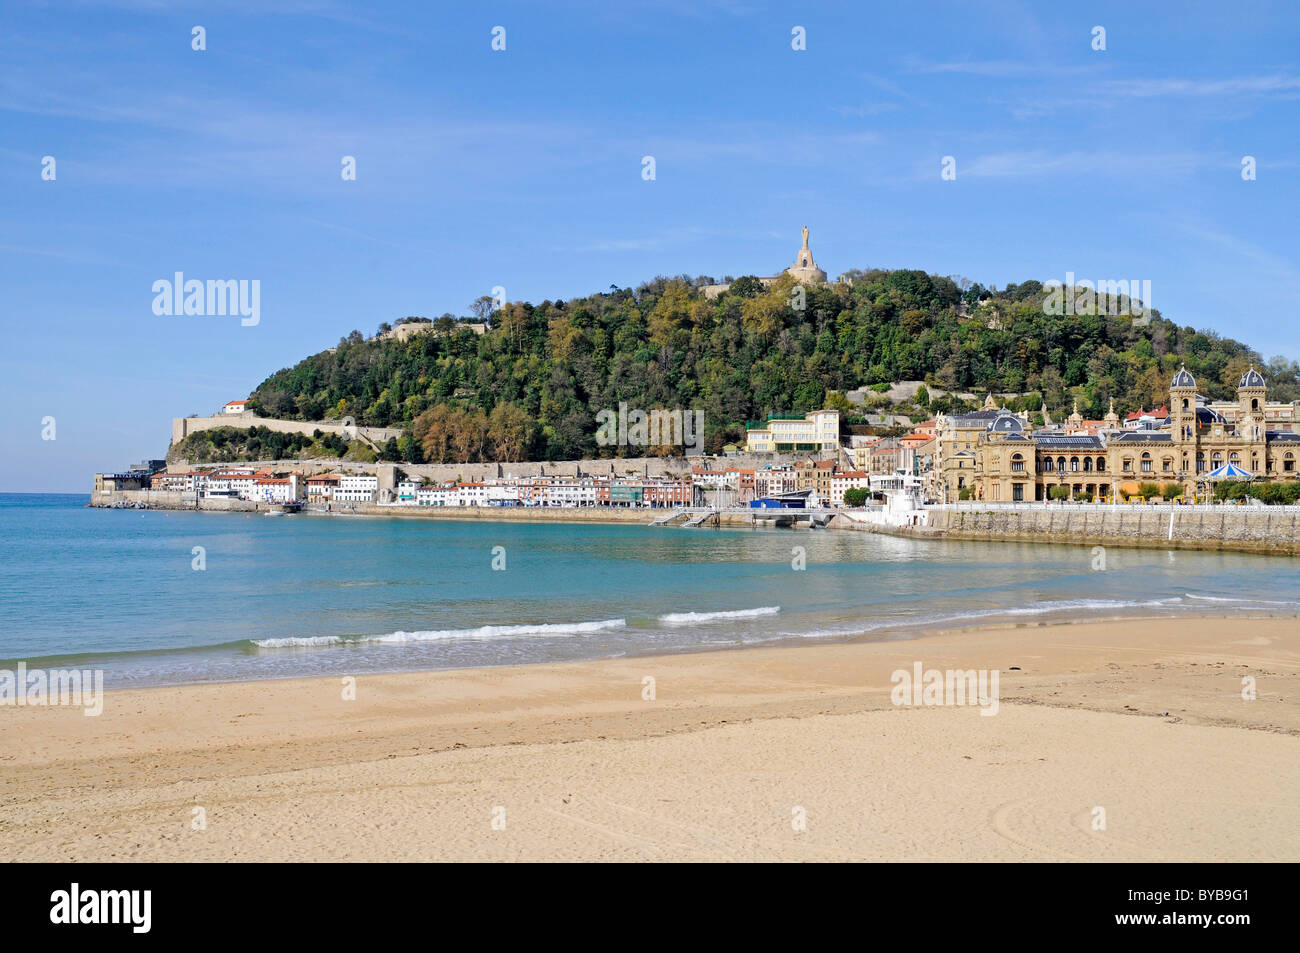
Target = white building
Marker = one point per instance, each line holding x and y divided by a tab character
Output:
848	480
502	494
407	490
817	432
235	407
233	482
356	489
433	495
277	490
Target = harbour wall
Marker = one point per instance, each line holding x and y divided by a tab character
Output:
1256	529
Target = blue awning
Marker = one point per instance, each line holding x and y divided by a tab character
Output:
1229	471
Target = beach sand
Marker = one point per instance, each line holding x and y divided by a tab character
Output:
1144	719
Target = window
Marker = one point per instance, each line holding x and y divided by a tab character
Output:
1017	464
1146	462
1074	464
1288	462
1101	464
1128	464
1234	458
1047	464
1167	465
1017	492
1087	464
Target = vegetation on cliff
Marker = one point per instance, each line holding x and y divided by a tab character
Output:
531	387
247	444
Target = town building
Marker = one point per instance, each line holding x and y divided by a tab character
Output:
277	489
848	480
816	432
356	488
1178	446
321	487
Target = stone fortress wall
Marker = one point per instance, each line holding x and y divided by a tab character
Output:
182	427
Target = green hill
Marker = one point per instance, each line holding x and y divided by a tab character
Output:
533	384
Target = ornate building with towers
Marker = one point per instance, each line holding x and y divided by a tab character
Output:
993	456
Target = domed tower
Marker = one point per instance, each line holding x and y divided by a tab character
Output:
1250	403
1182	406
804	269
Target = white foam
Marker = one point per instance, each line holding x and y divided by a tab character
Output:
292	642
483	632
1255	602
487	632
693	618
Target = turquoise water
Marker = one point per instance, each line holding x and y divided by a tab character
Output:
309	595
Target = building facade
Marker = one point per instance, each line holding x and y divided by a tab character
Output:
817	432
1180	448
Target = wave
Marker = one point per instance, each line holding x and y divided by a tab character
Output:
962	617
482	633
297	642
692	618
1254	602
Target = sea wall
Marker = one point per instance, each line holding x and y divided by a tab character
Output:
1258	529
172	500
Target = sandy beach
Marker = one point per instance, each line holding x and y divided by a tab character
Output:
763	754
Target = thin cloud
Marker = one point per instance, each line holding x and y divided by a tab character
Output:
998	68
1236	86
1034	163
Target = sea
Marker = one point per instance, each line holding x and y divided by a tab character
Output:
154	597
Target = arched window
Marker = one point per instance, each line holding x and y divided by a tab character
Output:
1017	463
1101	464
1146	462
1254	403
1184	403
1047	464
1087	464
1234	457
1060	464
1217	459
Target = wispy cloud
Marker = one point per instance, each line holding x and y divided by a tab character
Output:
1233	86
866	109
996	68
1040	162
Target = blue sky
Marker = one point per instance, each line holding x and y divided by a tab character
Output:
522	168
